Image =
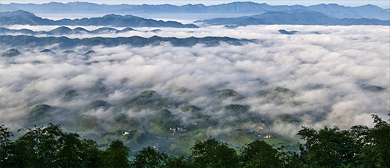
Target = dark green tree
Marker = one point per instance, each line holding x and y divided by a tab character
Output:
149	158
260	154
90	153
6	147
38	147
376	151
212	153
179	162
51	147
330	147
291	159
77	153
116	155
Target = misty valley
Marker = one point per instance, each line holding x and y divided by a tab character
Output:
167	85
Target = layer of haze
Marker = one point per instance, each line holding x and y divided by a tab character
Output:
325	66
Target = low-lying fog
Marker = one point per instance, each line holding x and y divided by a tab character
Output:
331	70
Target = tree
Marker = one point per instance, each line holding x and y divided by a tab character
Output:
90	153
116	155
330	147
179	162
163	120
50	147
212	153
77	153
38	147
375	152
260	154
6	147
291	159
149	158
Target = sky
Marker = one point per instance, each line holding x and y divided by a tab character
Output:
381	3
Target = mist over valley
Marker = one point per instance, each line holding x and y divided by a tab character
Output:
168	86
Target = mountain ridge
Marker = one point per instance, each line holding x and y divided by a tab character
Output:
333	10
28	18
296	17
137	41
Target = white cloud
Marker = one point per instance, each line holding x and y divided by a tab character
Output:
338	60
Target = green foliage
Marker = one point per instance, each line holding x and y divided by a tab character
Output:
280	93
229	93
149	158
330	147
6	147
50	147
148	99
116	155
198	118
194	111
291	159
179	162
240	113
359	146
376	150
134	136
212	153
96	104
163	120
124	122
87	122
241	137
190	108
236	109
260	154
39	113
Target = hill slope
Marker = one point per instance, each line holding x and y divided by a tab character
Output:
64	42
296	17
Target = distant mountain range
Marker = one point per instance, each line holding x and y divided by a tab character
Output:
26	18
63	30
294	17
65	42
249	8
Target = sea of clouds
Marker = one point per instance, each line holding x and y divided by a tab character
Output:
325	67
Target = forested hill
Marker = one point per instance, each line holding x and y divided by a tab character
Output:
65	42
332	10
21	17
296	17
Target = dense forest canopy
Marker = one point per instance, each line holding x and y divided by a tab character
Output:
50	146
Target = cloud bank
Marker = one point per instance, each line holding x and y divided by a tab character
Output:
327	69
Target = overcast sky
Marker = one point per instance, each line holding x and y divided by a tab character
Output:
380	3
